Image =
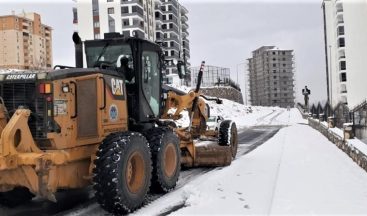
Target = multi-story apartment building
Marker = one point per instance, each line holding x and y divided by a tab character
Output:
163	21
26	43
346	50
271	77
175	33
93	18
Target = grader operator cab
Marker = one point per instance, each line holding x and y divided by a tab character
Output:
102	125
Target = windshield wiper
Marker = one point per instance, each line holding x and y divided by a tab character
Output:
102	52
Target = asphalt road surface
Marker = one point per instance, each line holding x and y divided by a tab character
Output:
82	202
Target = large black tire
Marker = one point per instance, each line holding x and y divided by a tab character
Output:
15	197
228	136
166	157
122	172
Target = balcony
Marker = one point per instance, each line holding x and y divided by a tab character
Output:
341	54
139	2
184	18
184	10
185	25
339	10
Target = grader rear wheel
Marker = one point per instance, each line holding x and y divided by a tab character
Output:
166	156
122	172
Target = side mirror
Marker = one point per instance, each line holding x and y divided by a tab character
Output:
181	69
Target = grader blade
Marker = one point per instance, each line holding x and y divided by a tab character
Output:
213	156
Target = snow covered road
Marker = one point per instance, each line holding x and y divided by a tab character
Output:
298	171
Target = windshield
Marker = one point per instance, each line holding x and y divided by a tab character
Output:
211	119
108	55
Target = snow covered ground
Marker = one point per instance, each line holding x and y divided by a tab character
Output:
298	171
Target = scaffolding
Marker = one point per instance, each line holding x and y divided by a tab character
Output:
212	76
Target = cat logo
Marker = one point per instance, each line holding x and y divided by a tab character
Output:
117	87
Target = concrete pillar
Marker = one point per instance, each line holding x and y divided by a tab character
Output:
331	122
348	131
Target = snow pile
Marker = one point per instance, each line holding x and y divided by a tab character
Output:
180	87
246	116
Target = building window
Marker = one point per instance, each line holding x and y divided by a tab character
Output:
274	65
284	65
109	0
341	42
124	10
96	24
97	36
274	71
111	10
340	30
273	53
125	22
343	77
343	65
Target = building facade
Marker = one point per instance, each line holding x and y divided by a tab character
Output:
26	43
345	51
271	77
162	21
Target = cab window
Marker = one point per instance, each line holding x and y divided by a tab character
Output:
151	79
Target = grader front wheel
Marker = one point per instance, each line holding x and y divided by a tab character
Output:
228	136
122	172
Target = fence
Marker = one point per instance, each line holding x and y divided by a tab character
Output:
342	114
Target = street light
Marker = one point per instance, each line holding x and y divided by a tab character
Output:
245	91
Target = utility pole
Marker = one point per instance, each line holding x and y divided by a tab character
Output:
245	91
331	79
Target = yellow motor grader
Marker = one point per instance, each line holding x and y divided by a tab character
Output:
105	125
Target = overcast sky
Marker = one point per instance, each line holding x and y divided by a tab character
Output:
222	32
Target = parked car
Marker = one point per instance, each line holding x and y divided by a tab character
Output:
214	122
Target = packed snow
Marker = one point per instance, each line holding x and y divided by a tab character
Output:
298	171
